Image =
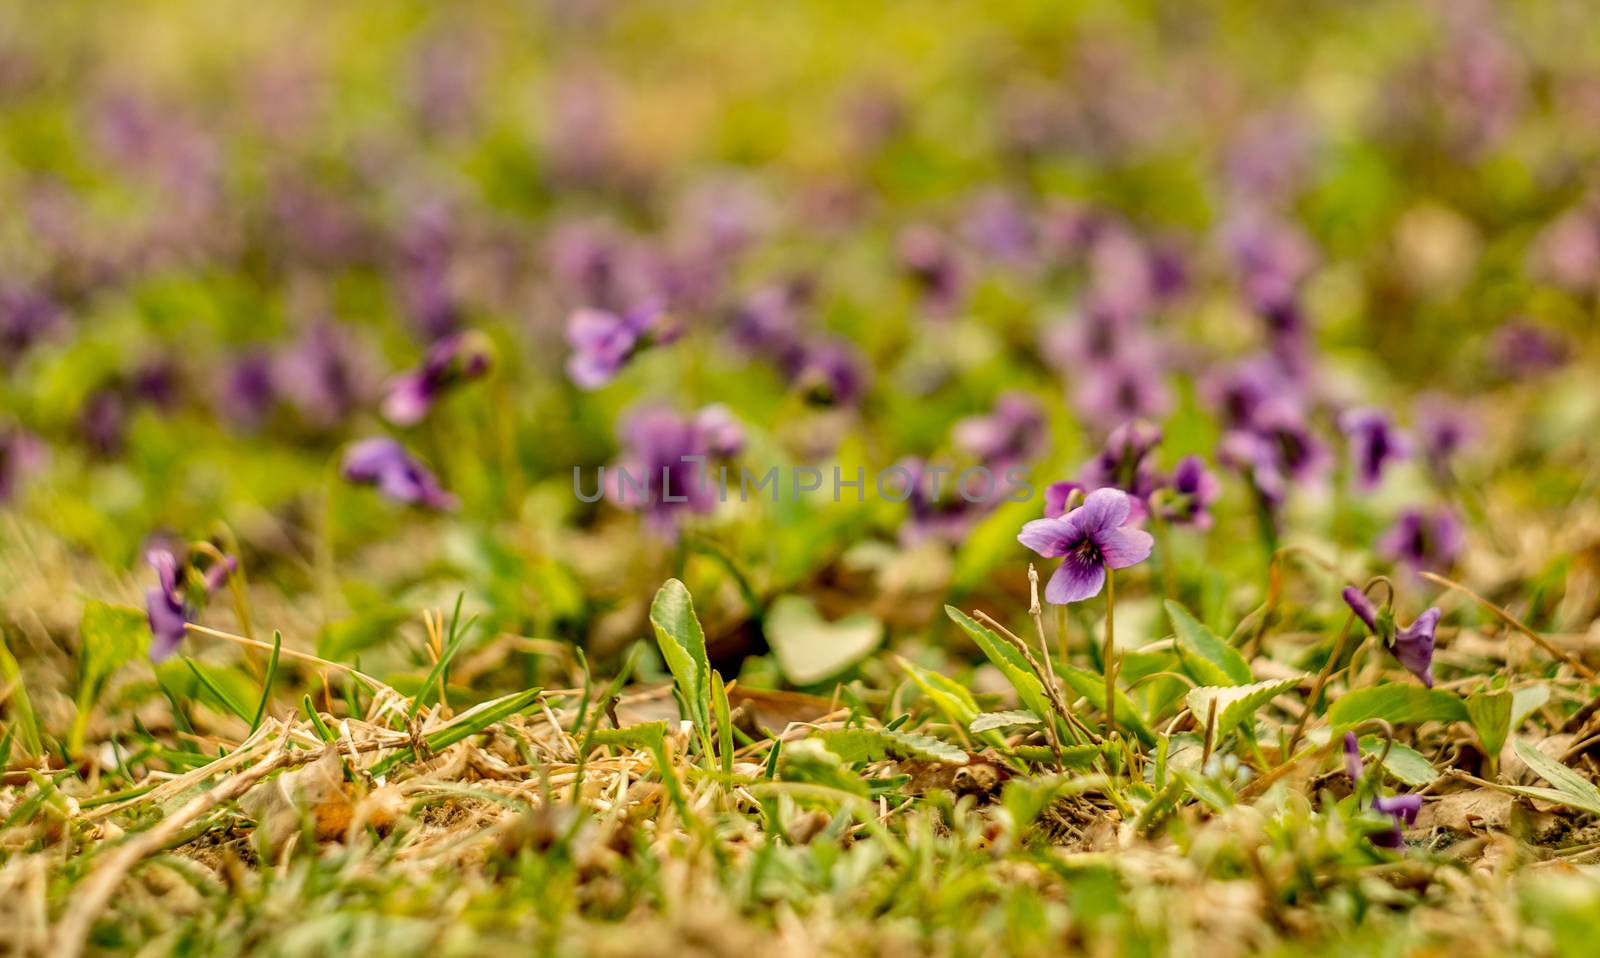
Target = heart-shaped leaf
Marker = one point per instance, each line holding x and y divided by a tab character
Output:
1207	659
1399	704
1491	716
809	648
1406	764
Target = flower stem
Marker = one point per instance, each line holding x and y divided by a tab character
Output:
1108	657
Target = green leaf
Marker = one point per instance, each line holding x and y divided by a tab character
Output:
1399	704
111	635
1207	659
1092	686
647	735
683	646
809	648
1406	764
1009	661
809	760
1571	789
1007	719
266	683
1234	703
1525	700
1205	788
724	716
1491	716
869	744
472	721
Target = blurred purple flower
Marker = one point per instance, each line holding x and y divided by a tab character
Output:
1090	538
157	382
427	248
1443	428
664	469
1401	808
20	454
604	342
830	372
768	322
997	225
1413	646
1273	258
927	257
167	608
936	509
1119	390
1374	443
1121	461
722	433
249	388
103	421
1353	766
323	374
453	360
1012	433
1522	349
383	462
1059	497
26	316
1187	498
1427	540
1362	606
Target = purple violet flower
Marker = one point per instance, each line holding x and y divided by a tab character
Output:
1412	646
604	342
324	374
664	470
1187	498
453	360
1522	349
1424	540
1362	606
167	608
1090	538
1402	809
1121	461
830	372
926	256
1059	497
1013	432
937	510
723	435
1374	443
1353	766
382	462
1121	389
1443	429
164	605
26	316
249	388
